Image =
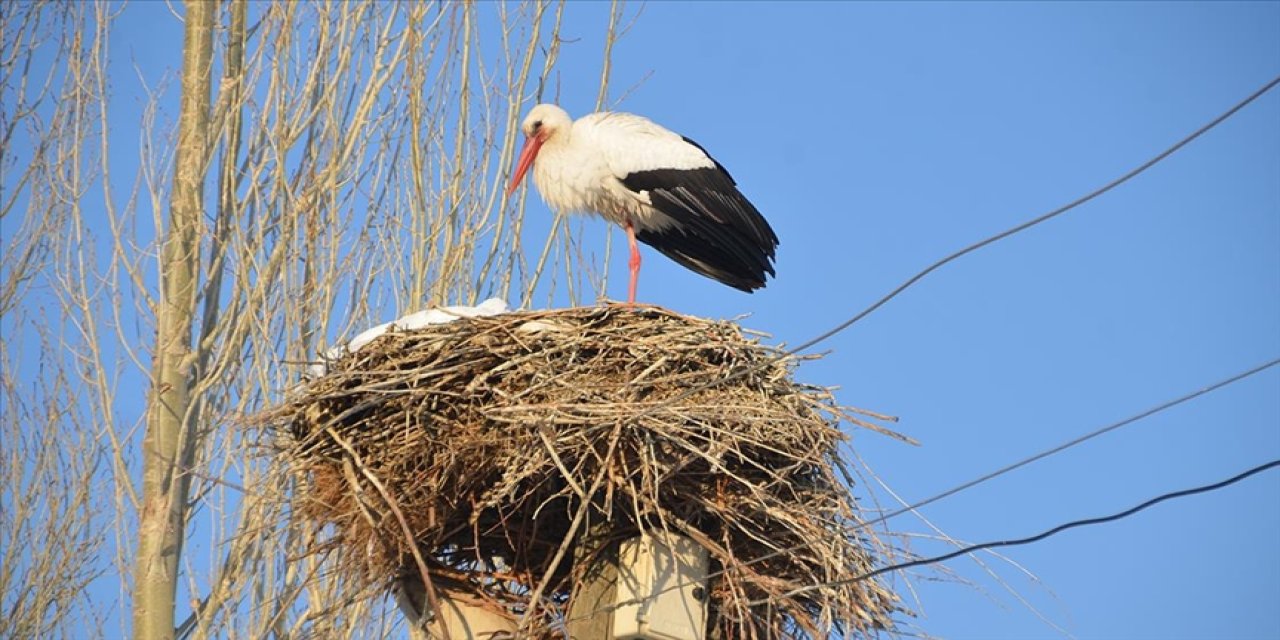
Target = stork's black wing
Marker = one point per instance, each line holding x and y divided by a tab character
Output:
716	232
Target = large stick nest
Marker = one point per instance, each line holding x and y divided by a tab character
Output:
471	448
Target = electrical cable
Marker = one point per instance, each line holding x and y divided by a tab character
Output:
1075	441
688	393
1003	470
1043	218
1132	173
1035	538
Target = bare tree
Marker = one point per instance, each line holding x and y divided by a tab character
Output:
332	164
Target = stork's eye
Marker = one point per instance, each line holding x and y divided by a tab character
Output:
537	124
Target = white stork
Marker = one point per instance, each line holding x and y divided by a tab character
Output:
664	189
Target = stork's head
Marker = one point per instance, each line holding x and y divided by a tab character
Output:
543	123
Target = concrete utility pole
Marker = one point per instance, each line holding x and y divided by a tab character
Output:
590	613
651	586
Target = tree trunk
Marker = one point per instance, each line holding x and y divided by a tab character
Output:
169	444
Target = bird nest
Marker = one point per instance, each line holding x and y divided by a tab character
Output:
483	451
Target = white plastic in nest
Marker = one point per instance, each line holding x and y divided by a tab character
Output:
539	326
424	318
667	574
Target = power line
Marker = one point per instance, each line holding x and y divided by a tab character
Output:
1043	218
1003	470
1035	538
688	393
1132	173
1075	441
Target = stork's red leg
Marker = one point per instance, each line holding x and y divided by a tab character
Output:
634	263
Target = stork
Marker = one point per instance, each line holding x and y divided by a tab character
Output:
663	188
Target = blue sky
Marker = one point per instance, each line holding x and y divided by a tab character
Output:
877	138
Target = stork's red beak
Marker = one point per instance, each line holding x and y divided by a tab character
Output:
527	154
